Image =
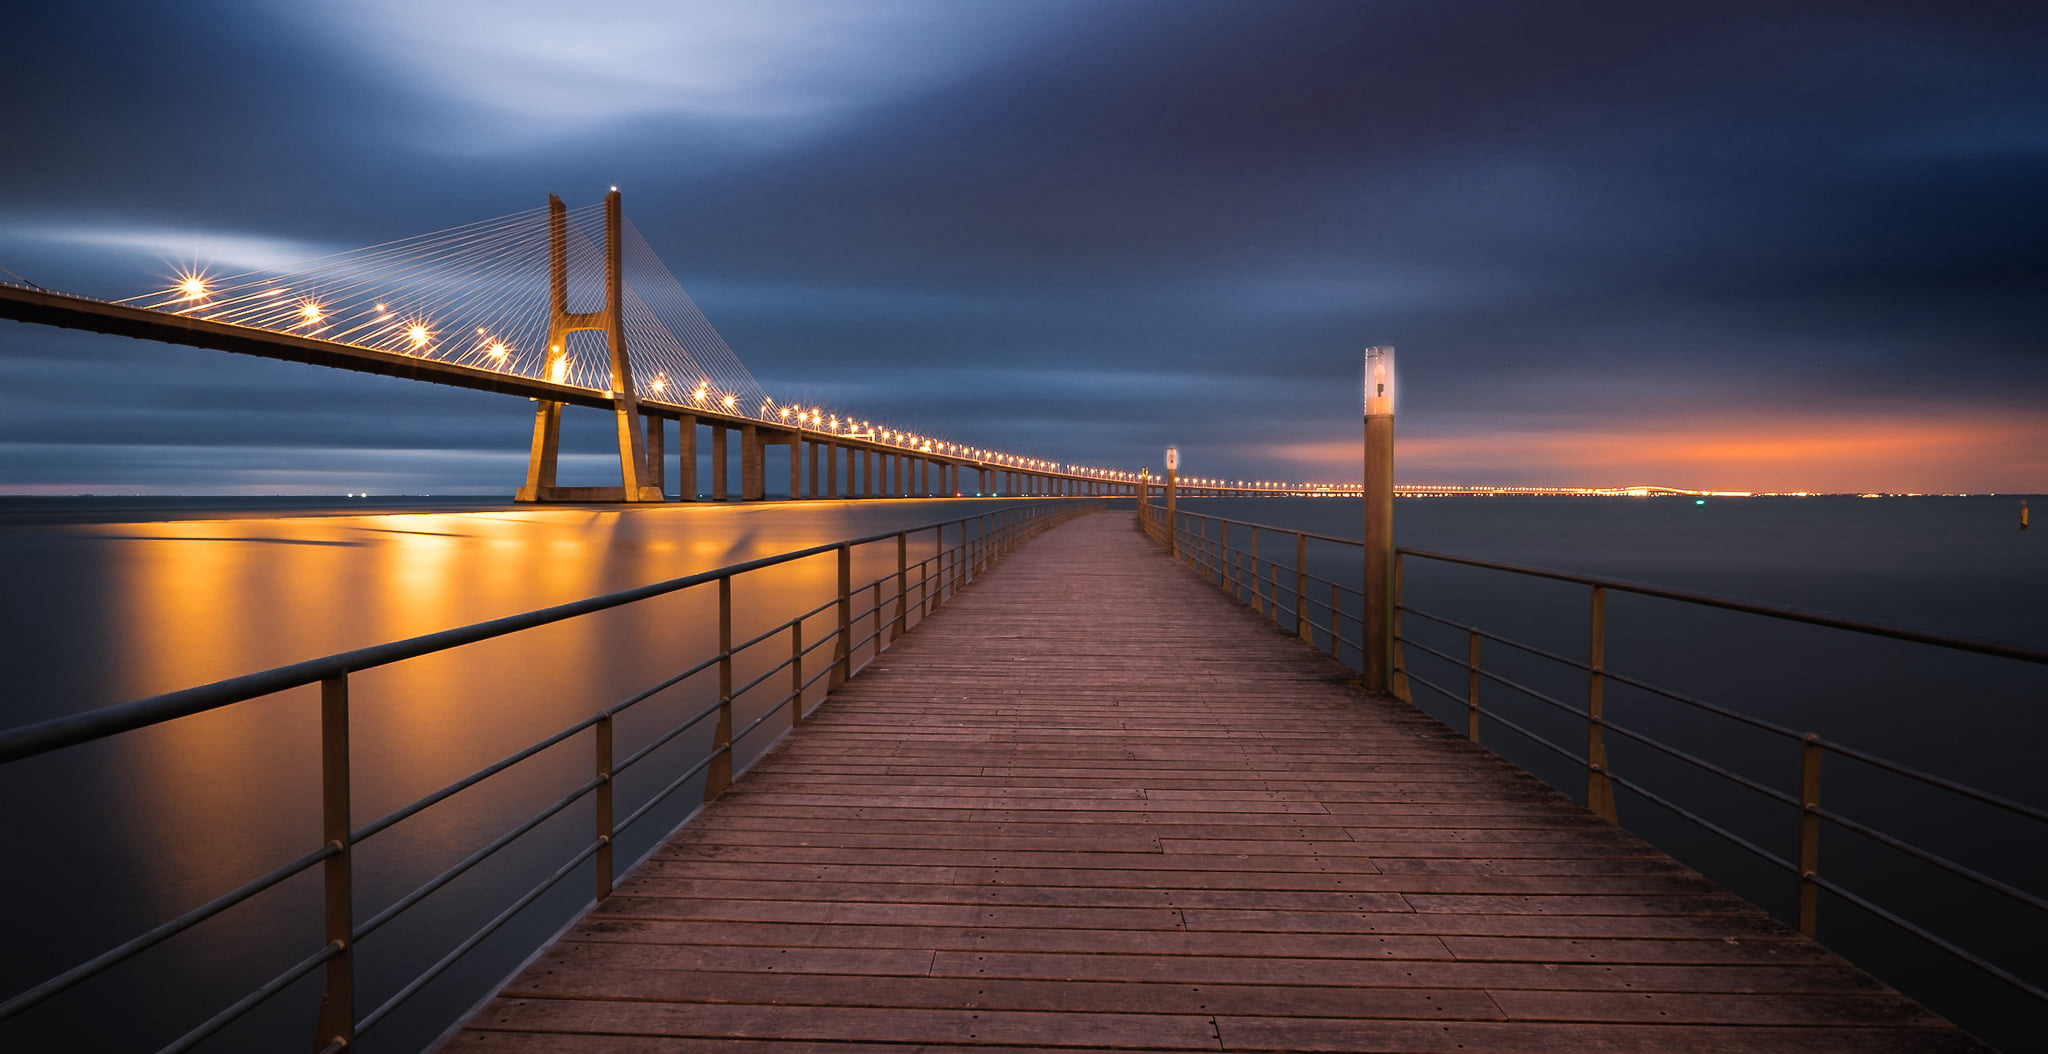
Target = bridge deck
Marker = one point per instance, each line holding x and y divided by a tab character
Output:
1095	804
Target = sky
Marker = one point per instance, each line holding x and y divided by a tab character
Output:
1738	245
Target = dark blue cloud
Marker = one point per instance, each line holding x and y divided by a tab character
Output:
1082	231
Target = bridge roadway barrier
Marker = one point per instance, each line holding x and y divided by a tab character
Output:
1093	803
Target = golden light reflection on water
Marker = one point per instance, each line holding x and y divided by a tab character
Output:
218	798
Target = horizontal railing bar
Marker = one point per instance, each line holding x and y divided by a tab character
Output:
1427	650
1986	797
639	697
1530	692
474	939
1438	619
1733	715
820	675
756	723
1702	821
1433	686
2004	651
1917	853
363	833
128	949
1993	969
1264	527
662	740
73	729
1526	734
479	856
249	1002
661	795
1734	777
772	671
763	636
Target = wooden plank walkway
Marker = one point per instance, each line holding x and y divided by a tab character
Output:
1094	804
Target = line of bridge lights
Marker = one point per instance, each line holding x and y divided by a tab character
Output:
192	286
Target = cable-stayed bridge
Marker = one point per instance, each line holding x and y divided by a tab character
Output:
568	307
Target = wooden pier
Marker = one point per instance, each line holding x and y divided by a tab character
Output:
1094	804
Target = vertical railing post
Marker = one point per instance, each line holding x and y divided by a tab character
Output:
1301	585
718	775
902	582
1228	560
1336	613
603	731
1599	789
1809	835
796	673
1258	602
337	1020
842	651
1472	683
1378	637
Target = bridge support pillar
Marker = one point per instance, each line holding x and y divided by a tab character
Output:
796	469
656	462
686	457
719	467
753	472
608	319
812	457
831	470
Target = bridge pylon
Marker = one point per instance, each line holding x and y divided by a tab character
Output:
638	480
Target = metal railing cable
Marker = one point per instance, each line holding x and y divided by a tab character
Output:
978	542
1212	556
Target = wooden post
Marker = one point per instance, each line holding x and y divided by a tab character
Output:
842	652
902	582
1809	835
1599	789
1379	519
1301	585
796	674
337	1020
1472	683
1172	497
603	733
718	775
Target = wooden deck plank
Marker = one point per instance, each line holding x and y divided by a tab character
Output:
1092	804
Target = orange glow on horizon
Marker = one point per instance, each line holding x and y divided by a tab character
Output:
1840	453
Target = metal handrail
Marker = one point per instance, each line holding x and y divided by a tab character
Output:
1217	561
997	532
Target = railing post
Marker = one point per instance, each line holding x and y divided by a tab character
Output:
1599	789
603	730
1301	585
902	582
1809	835
718	775
842	652
1258	602
337	1020
1228	562
1378	637
1472	684
1335	614
796	673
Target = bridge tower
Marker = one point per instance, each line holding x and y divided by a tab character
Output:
637	476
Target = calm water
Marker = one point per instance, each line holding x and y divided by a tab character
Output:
110	600
1954	566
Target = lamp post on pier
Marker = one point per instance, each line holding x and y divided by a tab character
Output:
1379	518
1172	486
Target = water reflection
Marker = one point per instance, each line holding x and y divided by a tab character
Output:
200	805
